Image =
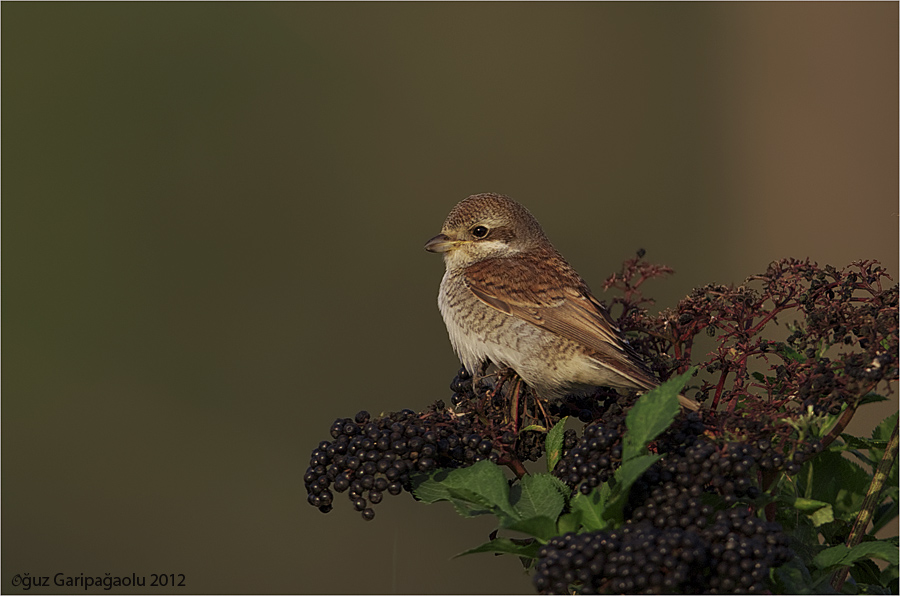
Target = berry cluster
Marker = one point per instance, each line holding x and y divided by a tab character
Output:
594	458
670	487
490	403
674	539
692	465
635	559
367	458
764	384
732	555
689	523
742	549
586	407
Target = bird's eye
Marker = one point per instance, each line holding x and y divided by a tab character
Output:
479	231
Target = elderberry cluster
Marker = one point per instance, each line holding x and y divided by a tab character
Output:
668	492
674	539
486	402
634	559
731	555
585	407
367	458
742	550
594	458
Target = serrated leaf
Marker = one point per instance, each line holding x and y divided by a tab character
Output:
871	398
841	555
537	494
480	488
589	509
429	488
561	486
865	571
883	432
885	428
505	546
818	478
553	444
652	414
860	443
469	504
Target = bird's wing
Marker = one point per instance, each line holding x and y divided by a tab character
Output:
544	290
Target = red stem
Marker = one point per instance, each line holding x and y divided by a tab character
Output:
718	394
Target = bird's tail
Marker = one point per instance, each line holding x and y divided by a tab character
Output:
688	403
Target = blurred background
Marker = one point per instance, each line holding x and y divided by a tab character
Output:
213	226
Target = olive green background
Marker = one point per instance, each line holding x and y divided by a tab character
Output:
213	226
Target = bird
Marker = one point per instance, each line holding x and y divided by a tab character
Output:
509	297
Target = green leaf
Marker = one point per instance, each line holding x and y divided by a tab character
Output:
789	352
506	546
538	494
429	488
470	504
537	427
476	490
885	513
589	509
883	432
553	444
865	571
625	476
792	578
889	578
831	557
871	398
860	443
541	527
568	522
818	512
602	508
868	451
820	477
652	414
841	555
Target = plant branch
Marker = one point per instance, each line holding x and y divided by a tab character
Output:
869	503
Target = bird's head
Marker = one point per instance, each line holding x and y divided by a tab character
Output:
486	226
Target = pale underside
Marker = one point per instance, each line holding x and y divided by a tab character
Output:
557	338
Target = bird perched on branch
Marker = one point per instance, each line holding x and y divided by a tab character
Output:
509	297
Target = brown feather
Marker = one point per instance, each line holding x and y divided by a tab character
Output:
561	303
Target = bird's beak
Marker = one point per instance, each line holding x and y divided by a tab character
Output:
440	243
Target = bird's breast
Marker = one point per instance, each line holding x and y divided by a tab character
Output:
479	332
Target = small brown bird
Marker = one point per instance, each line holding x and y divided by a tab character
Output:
508	296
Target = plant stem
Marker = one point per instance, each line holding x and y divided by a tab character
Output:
518	469
718	394
839	427
869	503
